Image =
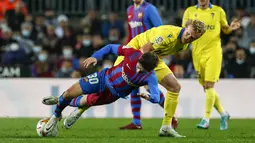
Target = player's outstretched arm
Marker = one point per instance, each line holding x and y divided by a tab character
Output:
154	95
108	49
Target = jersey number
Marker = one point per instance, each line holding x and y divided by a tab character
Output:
93	78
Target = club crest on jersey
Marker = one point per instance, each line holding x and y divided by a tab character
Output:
212	14
195	15
140	15
159	40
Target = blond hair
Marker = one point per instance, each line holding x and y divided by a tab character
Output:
198	25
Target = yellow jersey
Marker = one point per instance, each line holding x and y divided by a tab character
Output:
214	18
166	40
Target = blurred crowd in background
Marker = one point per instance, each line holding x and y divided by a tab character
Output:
52	45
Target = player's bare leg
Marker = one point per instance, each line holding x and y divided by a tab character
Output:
171	100
64	100
213	100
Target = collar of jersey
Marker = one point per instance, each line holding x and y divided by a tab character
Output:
210	6
180	34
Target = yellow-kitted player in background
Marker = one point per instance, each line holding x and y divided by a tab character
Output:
167	40
207	55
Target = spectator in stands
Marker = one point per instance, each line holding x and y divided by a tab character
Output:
229	53
50	18
50	39
67	39
251	58
94	22
39	27
97	42
67	54
112	22
14	55
41	67
62	24
251	27
84	49
15	17
114	36
27	32
66	69
239	68
242	38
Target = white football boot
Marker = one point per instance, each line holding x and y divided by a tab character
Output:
50	100
169	132
72	118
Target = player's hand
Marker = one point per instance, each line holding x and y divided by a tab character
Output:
144	96
235	24
90	61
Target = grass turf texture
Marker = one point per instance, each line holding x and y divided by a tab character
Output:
22	130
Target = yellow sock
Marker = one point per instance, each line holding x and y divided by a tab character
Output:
170	105
217	104
82	109
209	102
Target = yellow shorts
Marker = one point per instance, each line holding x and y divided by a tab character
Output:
208	68
161	70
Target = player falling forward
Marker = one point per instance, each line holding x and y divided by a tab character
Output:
110	84
166	40
141	16
207	55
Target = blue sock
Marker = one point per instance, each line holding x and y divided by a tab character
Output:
76	102
62	103
136	107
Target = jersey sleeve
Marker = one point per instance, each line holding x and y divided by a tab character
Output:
108	49
223	22
153	87
185	17
161	39
153	15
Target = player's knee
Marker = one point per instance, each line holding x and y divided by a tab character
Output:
67	95
208	85
177	88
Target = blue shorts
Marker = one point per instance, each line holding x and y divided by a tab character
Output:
94	86
93	83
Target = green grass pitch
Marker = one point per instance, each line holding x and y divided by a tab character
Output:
22	130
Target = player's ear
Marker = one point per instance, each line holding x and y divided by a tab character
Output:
188	22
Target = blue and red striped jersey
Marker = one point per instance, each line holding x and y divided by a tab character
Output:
141	19
123	78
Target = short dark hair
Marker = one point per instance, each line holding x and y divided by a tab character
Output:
149	61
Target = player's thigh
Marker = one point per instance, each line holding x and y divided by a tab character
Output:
100	98
200	71
74	91
162	70
118	60
91	83
213	68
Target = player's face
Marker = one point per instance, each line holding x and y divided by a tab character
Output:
189	35
137	1
139	68
203	3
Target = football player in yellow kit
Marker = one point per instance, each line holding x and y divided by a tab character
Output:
167	40
207	55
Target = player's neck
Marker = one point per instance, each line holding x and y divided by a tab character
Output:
138	4
203	7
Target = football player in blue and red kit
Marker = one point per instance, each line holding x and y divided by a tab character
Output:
109	85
